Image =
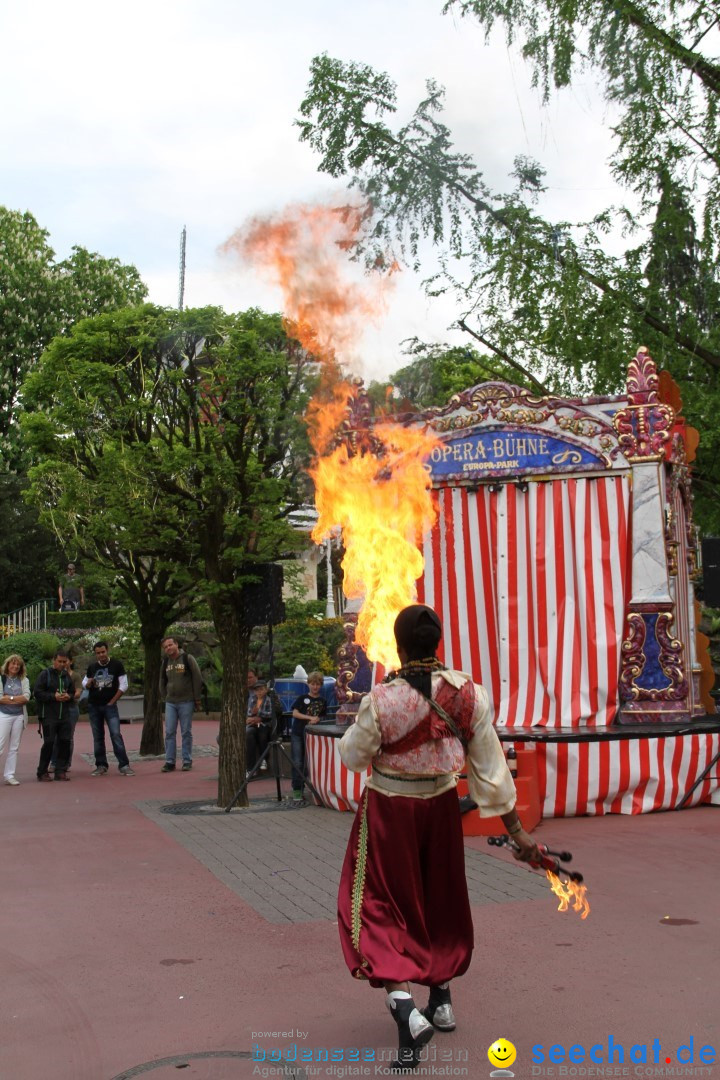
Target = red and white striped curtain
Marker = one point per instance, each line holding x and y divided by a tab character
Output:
531	587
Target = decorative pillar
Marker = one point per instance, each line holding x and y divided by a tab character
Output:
653	673
354	676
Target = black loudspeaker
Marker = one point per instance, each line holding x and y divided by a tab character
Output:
262	602
711	571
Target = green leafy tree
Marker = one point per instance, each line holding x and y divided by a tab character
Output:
653	62
90	482
39	298
547	294
30	554
186	430
439	371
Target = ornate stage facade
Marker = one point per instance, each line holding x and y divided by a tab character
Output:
562	564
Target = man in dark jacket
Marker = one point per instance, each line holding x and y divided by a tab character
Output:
55	693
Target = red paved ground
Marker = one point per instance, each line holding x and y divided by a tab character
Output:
118	947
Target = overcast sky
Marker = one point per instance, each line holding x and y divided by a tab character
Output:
122	123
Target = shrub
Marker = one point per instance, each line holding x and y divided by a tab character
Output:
37	650
306	637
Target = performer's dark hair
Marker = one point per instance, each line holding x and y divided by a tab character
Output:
418	631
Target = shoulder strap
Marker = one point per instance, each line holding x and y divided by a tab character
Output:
449	721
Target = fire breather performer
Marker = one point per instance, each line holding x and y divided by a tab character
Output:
403	908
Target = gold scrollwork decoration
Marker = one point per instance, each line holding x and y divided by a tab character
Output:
567	457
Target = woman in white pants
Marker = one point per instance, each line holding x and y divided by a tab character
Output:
13	711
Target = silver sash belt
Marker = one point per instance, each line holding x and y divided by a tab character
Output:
410	785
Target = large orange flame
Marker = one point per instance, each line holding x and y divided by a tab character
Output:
304	250
569	892
373	486
383	506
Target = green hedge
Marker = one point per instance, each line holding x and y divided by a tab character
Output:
83	619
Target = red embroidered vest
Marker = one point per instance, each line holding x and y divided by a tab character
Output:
458	704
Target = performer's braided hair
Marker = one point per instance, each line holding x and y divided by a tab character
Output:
418	673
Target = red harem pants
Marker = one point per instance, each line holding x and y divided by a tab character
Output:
403	907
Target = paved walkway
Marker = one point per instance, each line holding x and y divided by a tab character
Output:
140	943
286	862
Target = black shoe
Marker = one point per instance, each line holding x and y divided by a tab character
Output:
168	767
439	1010
186	766
414	1031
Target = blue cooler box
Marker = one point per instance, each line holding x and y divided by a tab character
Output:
290	689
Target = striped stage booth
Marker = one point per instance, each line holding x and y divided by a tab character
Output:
338	788
626	775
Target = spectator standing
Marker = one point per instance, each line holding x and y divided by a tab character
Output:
53	691
307	709
71	591
73	712
181	689
106	682
13	712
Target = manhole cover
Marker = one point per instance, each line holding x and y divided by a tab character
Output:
257	806
210	1065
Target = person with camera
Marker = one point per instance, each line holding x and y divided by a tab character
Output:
54	692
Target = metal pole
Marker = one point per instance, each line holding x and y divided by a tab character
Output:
330	601
181	292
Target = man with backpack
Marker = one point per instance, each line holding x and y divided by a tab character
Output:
55	694
181	687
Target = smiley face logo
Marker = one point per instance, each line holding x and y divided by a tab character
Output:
502	1053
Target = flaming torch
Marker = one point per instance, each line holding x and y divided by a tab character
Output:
570	891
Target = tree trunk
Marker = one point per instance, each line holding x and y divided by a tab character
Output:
152	740
234	647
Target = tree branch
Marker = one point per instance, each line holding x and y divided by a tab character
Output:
500	219
708	73
505	357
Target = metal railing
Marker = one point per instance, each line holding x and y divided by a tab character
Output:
26	620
